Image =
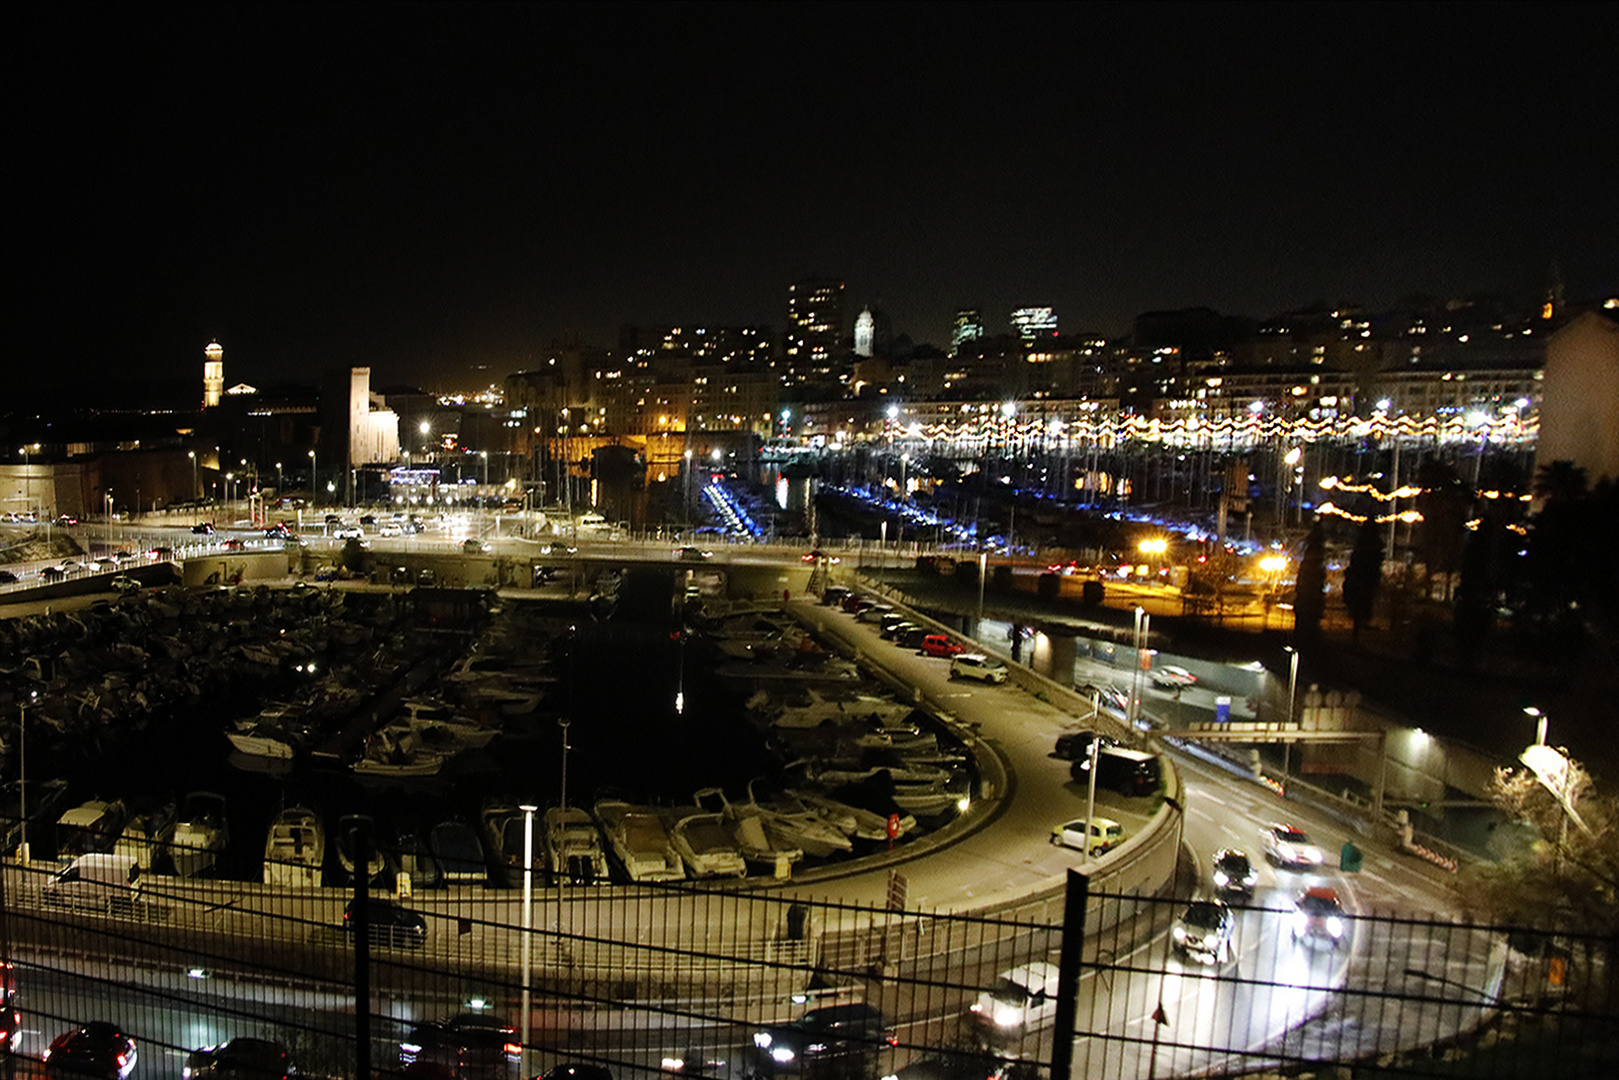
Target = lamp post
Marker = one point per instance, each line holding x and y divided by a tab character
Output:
22	779
278	482
563	722
192	454
528	926
1557	775
1292	692
1143	633
313	477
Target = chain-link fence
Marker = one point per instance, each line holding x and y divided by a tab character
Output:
736	983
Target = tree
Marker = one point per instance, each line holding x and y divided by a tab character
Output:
1364	574
1310	601
1474	613
1567	871
354	557
1444	504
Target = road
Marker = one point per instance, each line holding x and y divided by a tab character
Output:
1011	860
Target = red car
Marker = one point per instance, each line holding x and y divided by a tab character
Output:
941	645
854	603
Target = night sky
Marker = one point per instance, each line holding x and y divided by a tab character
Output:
432	190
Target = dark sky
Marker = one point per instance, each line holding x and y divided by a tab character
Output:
430	189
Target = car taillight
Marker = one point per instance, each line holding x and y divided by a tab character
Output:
514	1049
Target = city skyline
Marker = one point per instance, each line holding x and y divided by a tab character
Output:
449	192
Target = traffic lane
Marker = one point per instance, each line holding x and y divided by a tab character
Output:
1013	858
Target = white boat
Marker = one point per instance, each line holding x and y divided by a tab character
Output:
345	857
705	842
504	826
390	752
574	847
145	834
265	740
753	838
799	827
857	821
93	826
295	849
641	841
200	834
448	736
458	853
815	707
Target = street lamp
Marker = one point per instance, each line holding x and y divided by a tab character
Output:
192	454
528	925
1154	547
1557	775
313	476
1292	691
278	484
485	455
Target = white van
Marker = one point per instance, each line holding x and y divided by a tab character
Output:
94	882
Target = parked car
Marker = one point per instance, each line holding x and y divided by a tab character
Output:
474	1046
1205	932
1105	834
98	1049
239	1059
203	528
349	532
831	1031
893	625
1074	745
52	573
559	547
874	614
1021	999
942	646
1234	873
426	577
967	1065
7	577
692	554
1319	918
1129	772
472	546
834	595
912	637
1109	699
854	603
980	667
392	924
1287	845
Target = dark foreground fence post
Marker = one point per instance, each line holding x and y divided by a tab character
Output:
1075	902
358	828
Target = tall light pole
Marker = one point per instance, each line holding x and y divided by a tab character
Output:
314	477
278	482
1143	633
22	779
563	722
528	927
1292	694
192	454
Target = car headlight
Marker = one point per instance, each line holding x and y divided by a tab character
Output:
1250	878
1179	933
762	1040
1008	1018
782	1054
1220	878
1335	926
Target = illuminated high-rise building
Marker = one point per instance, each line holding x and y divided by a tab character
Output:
213	374
969	326
1034	323
814	324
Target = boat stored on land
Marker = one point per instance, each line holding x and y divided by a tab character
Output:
295	848
641	841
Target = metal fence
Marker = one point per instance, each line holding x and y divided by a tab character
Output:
719	983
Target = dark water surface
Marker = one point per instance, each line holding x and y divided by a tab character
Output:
617	685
